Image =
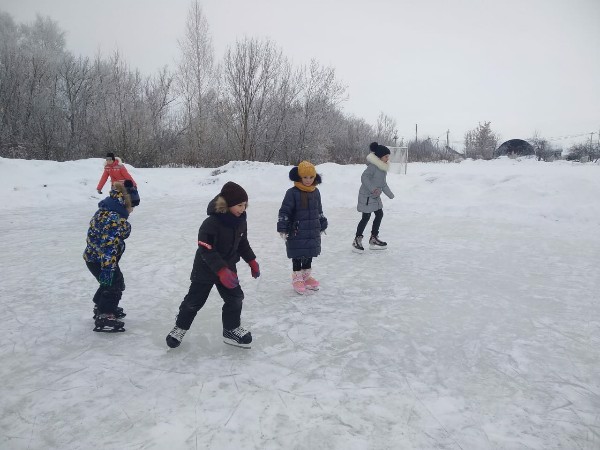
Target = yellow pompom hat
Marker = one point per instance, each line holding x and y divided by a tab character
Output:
306	169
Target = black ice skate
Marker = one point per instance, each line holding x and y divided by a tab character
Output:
240	337
376	244
108	323
357	246
175	337
119	313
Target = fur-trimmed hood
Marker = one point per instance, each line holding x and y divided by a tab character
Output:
118	200
218	208
218	205
373	159
116	162
294	176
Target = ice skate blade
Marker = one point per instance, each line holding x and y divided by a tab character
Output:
377	247
117	316
235	343
358	251
109	330
316	288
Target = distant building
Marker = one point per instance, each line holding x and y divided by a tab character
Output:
515	147
453	155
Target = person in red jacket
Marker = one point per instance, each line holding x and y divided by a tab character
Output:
116	170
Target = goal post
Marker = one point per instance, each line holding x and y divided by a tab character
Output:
398	159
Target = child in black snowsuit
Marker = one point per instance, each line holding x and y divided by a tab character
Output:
222	240
300	223
105	245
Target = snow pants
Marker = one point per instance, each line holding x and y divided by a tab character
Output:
196	298
107	297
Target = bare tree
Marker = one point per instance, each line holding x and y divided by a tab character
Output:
159	119
75	80
584	152
544	151
321	95
195	82
481	142
42	47
279	140
13	74
424	151
351	139
250	73
385	129
118	109
254	105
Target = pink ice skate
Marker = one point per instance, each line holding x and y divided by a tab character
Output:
298	282
309	281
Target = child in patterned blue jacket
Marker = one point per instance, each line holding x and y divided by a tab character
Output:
105	245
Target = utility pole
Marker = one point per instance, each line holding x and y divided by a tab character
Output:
448	139
416	134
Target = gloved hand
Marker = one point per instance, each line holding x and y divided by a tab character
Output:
283	236
99	191
228	278
323	232
377	192
254	268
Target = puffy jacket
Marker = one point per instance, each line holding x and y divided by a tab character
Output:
106	235
374	177
117	171
302	221
222	240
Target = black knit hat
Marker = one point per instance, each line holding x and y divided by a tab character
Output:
233	194
379	150
110	155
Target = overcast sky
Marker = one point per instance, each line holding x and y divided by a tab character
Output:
524	65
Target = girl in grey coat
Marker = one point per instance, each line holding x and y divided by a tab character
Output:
369	196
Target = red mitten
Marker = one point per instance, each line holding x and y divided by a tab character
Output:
228	278
254	268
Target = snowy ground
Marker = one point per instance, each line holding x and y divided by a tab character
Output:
479	328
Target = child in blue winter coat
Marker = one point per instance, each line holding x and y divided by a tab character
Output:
300	223
105	245
373	184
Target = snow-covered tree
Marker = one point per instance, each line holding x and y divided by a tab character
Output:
195	85
481	142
